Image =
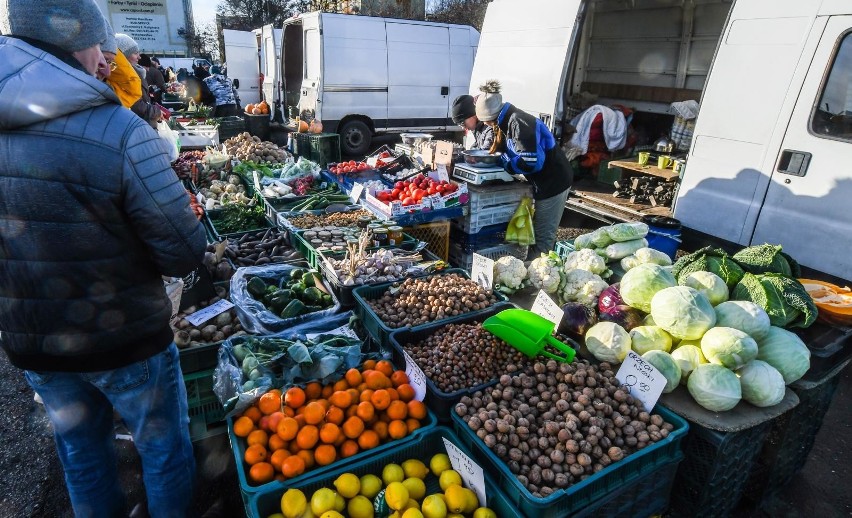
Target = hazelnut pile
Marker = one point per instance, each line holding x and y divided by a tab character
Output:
460	356
555	424
413	302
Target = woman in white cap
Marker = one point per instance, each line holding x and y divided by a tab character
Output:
528	147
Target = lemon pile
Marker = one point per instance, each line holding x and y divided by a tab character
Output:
399	493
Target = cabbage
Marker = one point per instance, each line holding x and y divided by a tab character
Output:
688	357
767	258
729	347
709	259
714	387
682	311
762	385
786	352
650	255
649	338
608	342
785	300
627	231
710	284
649	321
746	316
641	283
667	366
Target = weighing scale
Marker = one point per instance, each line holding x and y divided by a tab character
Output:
480	175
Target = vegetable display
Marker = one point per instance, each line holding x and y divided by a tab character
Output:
712	260
545	272
336	219
411	192
683	312
299	295
348	167
245	147
509	274
221	193
645	256
259	248
237	217
767	258
784	299
582	286
383	265
216	329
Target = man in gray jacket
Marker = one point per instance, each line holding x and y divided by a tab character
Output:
91	216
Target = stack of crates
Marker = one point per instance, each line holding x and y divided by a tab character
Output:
322	148
483	227
436	234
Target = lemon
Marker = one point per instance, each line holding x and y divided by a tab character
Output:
308	513
434	507
276	515
348	485
340	503
370	486
412	504
472	501
396	495
361	507
416	488
331	514
448	478
457	499
293	504
455	515
484	512
392	473
413	468
412	513
439	464
323	500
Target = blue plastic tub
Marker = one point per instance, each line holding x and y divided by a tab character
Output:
663	234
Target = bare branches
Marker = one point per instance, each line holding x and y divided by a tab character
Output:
465	12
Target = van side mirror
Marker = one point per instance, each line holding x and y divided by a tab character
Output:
237	83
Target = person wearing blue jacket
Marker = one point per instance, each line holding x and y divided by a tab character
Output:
528	148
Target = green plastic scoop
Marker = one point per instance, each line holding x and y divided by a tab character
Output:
528	333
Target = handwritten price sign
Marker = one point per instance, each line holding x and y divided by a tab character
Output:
199	317
482	271
416	377
471	472
545	307
642	379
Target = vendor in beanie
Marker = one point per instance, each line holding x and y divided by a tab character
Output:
528	148
464	115
142	105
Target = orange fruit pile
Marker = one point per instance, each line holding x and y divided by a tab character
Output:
289	433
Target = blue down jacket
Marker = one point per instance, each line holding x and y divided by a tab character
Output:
91	216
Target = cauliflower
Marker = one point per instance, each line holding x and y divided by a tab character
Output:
585	259
545	272
509	274
582	286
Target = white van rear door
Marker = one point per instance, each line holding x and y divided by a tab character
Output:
242	59
270	52
526	46
806	208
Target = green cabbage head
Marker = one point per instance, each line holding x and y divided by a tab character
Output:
729	347
762	385
786	352
640	284
688	357
682	311
608	342
667	366
650	338
746	316
714	387
710	284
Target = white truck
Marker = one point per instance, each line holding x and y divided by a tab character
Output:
254	58
771	148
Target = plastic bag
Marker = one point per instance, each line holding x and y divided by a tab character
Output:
621	232
617	251
300	169
254	316
171	139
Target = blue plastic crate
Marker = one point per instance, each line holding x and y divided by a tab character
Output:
563	248
489	236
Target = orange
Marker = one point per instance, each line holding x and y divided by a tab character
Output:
243	426
293	466
300	418
253	413
351	411
398	410
269	402
254	454
307	437
353	377
327	391
416	409
399	378
293	448
329	433
287	429
275	391
368	439
362	387
366	395
381	429
313	391
289	412
314	413
334	415
397	429
276	442
376	380
340	440
274	419
366	411
341	385
353	427
394	395
354	395
341	399
307	457
380	399
348	449
257	437
412	424
324	403
263	424
261	473
295	397
369	365
277	458
406	392
385	367
325	454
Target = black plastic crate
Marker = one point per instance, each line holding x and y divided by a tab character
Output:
830	346
230	127
645	496
487	237
716	466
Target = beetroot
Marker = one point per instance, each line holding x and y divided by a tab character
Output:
623	315
609	298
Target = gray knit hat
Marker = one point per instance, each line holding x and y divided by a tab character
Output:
490	102
71	25
126	44
109	44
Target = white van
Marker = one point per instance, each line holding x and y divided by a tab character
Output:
770	154
363	75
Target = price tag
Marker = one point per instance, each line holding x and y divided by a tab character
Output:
443	175
545	307
482	271
357	192
642	379
471	472
343	330
203	315
416	377
256	176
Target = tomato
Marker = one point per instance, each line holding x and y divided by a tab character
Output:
431	190
408	201
362	166
395	193
418	194
351	162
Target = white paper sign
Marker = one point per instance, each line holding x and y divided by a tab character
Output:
357	192
443	175
416	377
203	315
256	176
545	307
471	472
482	271
343	330
642	379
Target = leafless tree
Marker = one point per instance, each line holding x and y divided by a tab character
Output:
246	15
465	12
203	41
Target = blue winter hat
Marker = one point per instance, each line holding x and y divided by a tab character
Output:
71	25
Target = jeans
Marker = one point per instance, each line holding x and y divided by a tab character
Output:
548	214
151	397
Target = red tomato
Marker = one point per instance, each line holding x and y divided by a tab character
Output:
408	201
431	190
362	166
395	193
418	194
351	162
399	185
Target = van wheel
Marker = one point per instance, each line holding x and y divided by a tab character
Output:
355	137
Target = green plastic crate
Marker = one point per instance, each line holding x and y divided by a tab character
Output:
206	415
607	175
431	443
609	487
322	148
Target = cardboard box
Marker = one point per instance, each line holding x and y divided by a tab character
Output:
444	155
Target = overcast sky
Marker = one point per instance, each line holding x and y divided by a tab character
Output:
204	11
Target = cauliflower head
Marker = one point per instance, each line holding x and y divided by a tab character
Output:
585	259
509	274
582	286
545	272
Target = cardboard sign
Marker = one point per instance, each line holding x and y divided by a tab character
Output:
443	175
642	379
482	271
544	306
416	377
471	473
357	192
444	153
203	315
